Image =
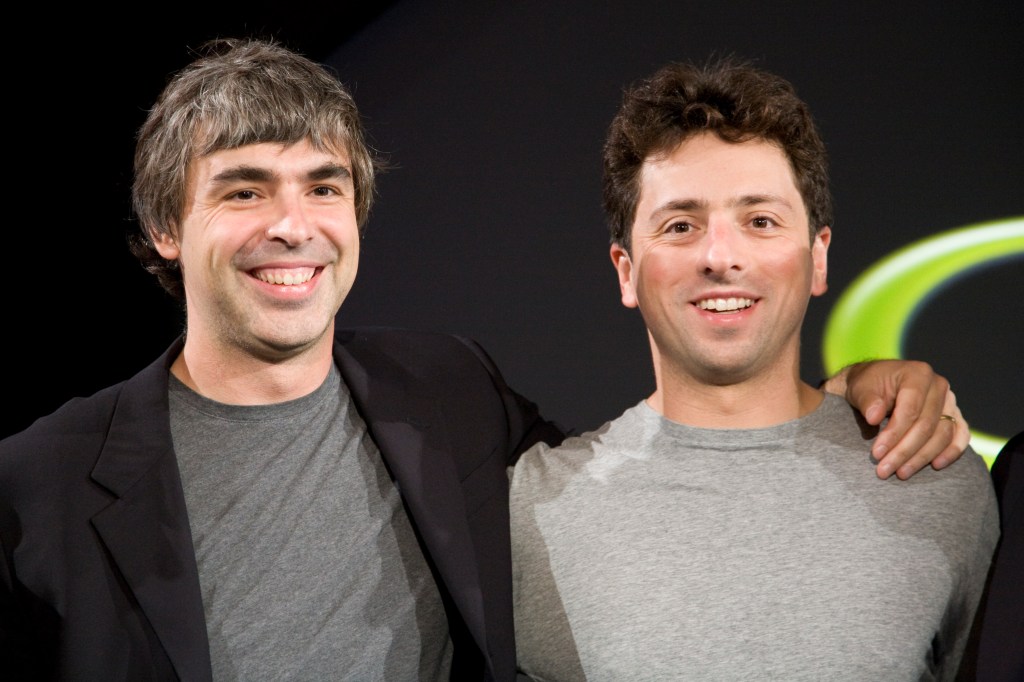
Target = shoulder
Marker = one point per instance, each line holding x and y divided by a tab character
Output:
408	346
622	437
45	469
77	417
390	368
1008	470
79	427
436	363
397	338
957	503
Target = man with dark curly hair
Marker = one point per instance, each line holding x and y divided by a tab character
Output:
731	525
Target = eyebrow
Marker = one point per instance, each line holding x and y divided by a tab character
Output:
700	204
245	173
755	199
330	171
680	205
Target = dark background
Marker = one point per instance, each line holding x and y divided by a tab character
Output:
489	224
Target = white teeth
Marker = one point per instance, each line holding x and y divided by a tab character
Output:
286	277
725	304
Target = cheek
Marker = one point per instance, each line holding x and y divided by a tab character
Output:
799	272
213	236
350	250
795	260
340	227
349	235
232	236
660	269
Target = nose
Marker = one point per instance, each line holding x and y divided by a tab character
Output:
290	224
722	247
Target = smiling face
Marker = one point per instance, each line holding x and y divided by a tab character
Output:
268	247
722	262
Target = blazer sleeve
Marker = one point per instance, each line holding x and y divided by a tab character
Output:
527	426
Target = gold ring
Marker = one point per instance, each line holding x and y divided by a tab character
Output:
948	417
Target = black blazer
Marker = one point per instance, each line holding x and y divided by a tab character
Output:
1000	647
98	580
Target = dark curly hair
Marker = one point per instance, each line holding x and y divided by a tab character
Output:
729	97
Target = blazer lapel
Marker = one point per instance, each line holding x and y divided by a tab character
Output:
147	530
410	435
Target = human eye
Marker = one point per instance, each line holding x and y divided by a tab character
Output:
678	227
242	195
762	222
324	191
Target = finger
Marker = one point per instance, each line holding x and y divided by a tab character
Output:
916	449
912	438
961	435
941	450
911	425
951	454
926	440
875	412
940	444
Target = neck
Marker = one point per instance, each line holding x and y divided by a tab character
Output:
764	400
246	378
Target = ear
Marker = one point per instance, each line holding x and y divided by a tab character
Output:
624	268
819	256
165	244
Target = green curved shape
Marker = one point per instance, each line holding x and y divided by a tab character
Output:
870	318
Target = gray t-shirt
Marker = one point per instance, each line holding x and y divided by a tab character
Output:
308	564
649	550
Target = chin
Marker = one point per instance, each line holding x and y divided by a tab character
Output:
724	373
288	345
